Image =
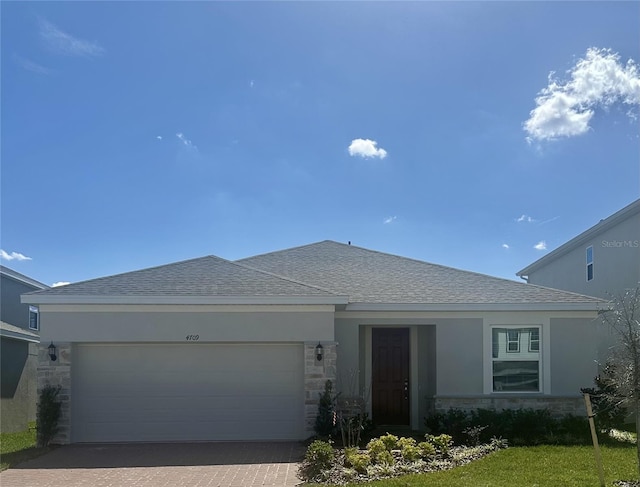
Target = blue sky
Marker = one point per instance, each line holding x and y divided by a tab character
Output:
460	133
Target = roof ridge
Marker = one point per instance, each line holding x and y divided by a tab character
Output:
283	250
284	278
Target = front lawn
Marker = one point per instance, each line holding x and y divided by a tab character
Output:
539	466
19	447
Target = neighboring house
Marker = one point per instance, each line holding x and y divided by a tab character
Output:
603	261
209	349
19	328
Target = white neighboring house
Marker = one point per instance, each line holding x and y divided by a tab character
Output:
209	349
602	261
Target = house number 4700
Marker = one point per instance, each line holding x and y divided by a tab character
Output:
193	338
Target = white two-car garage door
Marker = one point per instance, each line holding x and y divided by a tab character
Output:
186	392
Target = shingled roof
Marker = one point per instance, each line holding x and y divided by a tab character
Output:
320	273
206	279
372	277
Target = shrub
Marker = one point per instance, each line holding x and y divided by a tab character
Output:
408	449
48	415
319	457
427	450
452	422
390	441
379	451
325	423
442	443
356	459
608	409
519	426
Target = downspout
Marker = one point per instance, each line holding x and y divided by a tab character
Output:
525	278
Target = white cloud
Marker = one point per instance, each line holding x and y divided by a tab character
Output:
252	83
541	245
366	148
31	66
389	219
188	144
60	283
525	218
564	109
159	137
62	43
13	256
505	246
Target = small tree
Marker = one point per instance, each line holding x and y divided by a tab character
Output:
48	414
623	317
325	419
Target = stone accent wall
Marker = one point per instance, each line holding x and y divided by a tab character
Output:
558	406
316	374
57	373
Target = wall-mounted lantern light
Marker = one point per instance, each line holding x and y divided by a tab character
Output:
52	352
319	351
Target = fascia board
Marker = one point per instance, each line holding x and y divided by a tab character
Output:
70	299
593	306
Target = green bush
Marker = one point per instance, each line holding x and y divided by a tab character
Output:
357	460
380	452
427	450
319	456
442	443
409	450
48	415
521	427
325	424
390	441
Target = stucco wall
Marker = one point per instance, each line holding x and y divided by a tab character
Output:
11	310
173	324
616	263
574	344
18	395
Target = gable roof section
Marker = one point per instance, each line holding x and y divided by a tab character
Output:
16	276
16	333
619	216
206	280
375	281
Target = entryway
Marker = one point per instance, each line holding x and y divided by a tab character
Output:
390	385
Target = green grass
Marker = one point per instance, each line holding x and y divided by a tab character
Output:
19	447
540	466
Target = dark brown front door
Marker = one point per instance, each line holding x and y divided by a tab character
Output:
390	375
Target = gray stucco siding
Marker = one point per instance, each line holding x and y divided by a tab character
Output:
11	310
460	356
616	263
573	348
175	326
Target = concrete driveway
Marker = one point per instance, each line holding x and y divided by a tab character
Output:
162	464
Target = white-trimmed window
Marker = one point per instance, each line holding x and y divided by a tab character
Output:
516	370
590	263
534	340
513	341
34	318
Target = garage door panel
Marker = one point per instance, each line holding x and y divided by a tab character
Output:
177	392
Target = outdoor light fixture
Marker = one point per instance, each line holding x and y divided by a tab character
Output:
319	351
52	352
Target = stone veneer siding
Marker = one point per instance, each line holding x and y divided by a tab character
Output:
558	406
316	374
57	373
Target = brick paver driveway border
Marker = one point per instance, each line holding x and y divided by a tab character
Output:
236	464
